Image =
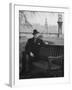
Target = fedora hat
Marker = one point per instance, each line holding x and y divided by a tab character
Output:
35	32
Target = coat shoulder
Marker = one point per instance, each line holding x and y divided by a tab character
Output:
30	39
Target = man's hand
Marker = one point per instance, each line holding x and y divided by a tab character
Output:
31	54
46	43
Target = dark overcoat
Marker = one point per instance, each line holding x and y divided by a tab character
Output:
33	46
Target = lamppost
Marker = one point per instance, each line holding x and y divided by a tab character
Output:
59	24
46	25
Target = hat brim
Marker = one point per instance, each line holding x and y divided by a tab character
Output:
35	33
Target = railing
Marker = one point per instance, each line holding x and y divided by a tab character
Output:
52	50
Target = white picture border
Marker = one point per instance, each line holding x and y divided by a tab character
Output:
14	60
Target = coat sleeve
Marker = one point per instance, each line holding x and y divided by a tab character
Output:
27	47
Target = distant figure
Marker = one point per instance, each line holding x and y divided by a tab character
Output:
32	48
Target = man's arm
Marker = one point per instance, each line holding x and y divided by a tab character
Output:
28	49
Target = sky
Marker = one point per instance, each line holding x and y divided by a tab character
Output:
39	17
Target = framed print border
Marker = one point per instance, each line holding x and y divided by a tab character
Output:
14	45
